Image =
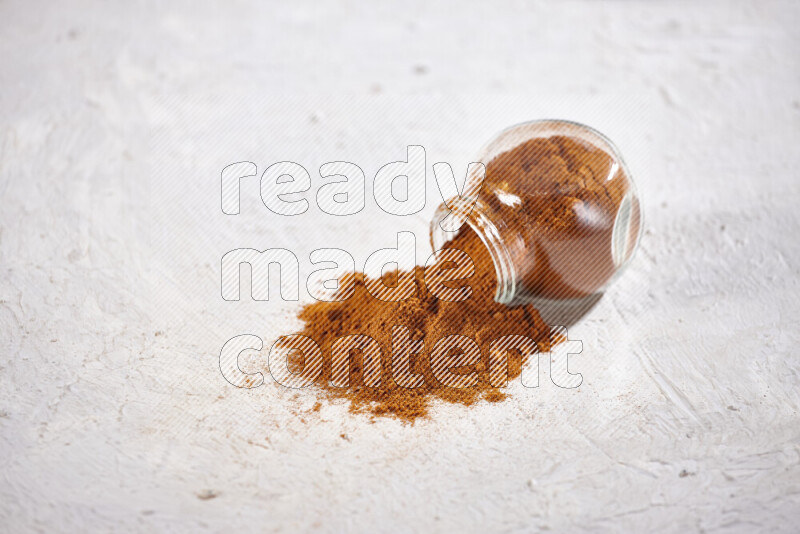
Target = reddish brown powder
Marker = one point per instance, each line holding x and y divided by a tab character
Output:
429	319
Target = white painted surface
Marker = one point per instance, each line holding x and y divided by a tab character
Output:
114	125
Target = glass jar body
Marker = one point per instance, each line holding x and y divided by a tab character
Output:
557	210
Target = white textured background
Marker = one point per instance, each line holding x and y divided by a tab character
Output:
115	122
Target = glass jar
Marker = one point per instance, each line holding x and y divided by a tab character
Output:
558	212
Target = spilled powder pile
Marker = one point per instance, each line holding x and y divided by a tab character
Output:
429	319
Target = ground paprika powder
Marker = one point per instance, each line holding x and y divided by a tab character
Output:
557	201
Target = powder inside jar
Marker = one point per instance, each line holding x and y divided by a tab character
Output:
567	214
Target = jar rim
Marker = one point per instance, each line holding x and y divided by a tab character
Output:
486	230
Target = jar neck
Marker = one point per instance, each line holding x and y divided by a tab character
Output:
480	221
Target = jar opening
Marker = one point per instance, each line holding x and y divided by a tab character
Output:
489	235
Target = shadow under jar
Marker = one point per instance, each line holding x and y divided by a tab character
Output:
557	210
